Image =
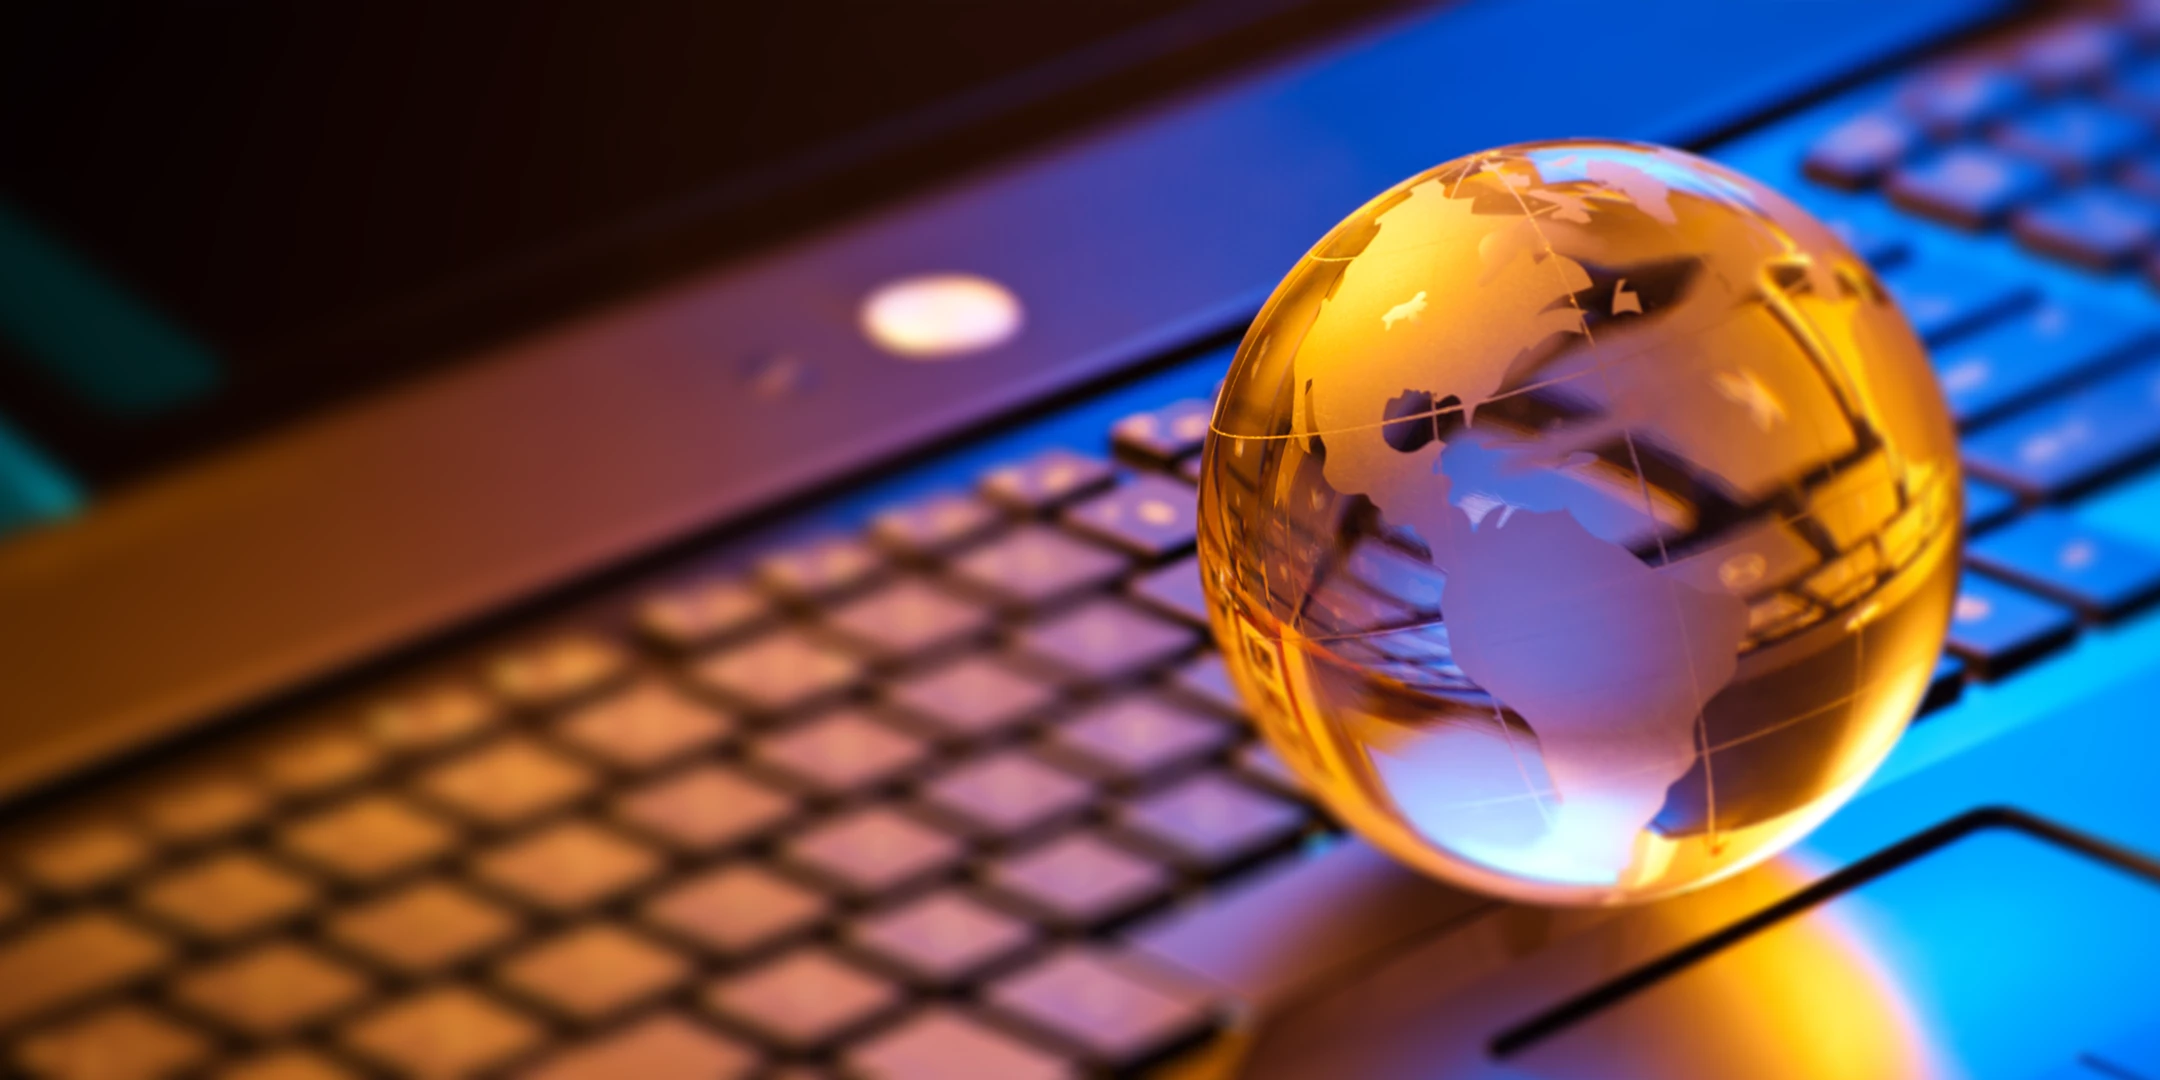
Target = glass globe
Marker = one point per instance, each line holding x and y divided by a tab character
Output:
1580	520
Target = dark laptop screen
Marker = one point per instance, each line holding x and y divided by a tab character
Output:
216	213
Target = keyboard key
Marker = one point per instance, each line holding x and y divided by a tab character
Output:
1944	300
316	759
737	909
703	613
1971	187
442	1031
1005	794
1945	686
840	753
970	698
271	990
820	569
941	939
1034	566
664	1047
593	972
1174	590
1151	516
557	671
779	672
202	805
2074	138
934	1043
907	619
644	727
937	525
1106	1011
1987	505
1259	761
81	853
368	839
2015	359
424	928
507	782
1137	737
121	1042
2101	575
1859	151
227	895
1047	480
288	1064
1211	822
872	850
1078	881
72	957
2073	53
705	809
568	867
1166	434
1878	242
2069	443
1103	640
1998	629
431	719
1951	99
803	999
1204	679
2096	228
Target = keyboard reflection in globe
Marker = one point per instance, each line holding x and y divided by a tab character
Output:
1580	520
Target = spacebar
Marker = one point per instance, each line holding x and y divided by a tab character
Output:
1269	940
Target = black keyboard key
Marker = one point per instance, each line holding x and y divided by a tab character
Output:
1108	1011
2101	575
907	618
1138	737
1047	480
2097	228
783	670
1952	99
1998	629
1987	505
1166	434
941	939
1103	640
927	1045
1211	822
702	613
1971	187
2074	138
2073	53
935	525
840	754
1205	679
970	698
821	568
1005	795
1945	686
2074	441
872	850
2012	361
1945	299
1174	590
1079	881
1035	565
1151	516
1859	151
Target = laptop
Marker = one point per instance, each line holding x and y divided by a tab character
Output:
649	542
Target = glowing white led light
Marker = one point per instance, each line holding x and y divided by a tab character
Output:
940	316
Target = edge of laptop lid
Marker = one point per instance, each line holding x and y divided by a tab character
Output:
252	572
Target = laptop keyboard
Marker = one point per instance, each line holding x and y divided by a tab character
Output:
884	798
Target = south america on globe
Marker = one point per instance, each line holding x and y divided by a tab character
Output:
1580	520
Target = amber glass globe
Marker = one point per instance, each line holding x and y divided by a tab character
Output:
1581	521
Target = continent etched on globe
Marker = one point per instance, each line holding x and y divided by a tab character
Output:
1580	519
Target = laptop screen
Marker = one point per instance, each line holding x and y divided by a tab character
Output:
217	215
